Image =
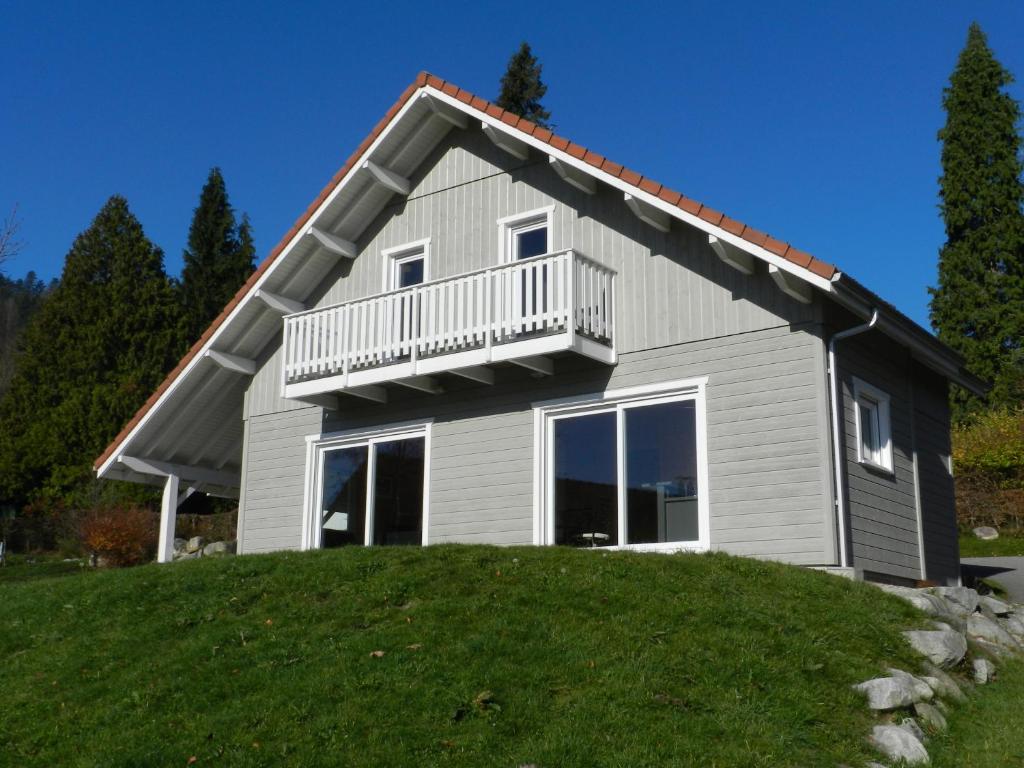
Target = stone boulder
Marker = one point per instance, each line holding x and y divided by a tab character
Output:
994	605
896	692
195	544
219	548
984	628
930	715
943	647
179	546
984	671
943	684
899	743
933	605
962	599
986	533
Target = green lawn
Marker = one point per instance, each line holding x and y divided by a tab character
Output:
446	656
1005	546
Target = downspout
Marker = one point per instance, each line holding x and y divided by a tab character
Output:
837	448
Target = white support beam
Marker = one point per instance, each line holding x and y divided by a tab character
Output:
422	384
573	177
544	366
790	285
168	518
648	213
201	475
368	392
446	113
503	141
328	401
732	255
280	304
333	243
388	179
477	373
232	363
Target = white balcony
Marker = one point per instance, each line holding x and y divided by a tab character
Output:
518	313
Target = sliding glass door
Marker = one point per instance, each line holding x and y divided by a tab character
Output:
626	473
370	491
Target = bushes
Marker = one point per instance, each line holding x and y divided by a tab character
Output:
988	459
120	535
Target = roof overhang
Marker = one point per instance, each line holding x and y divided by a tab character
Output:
378	170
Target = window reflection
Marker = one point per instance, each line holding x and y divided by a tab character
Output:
586	496
344	497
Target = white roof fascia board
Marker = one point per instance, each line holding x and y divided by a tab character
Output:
625	187
357	167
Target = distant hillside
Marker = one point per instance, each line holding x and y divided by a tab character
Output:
447	656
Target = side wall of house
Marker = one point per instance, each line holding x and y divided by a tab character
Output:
938	502
881	505
769	477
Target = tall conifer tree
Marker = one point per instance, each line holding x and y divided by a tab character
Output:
96	348
978	306
219	257
522	88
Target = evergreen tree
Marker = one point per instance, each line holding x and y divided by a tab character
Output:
219	257
19	300
95	350
522	89
978	306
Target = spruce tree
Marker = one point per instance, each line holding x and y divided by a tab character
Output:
978	306
97	347
219	257
522	89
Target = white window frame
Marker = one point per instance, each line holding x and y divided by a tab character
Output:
619	401
394	257
509	226
878	401
318	445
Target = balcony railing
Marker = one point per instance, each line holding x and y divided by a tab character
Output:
546	304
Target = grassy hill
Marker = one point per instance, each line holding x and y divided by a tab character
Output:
448	656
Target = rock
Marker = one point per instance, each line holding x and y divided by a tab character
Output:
922	691
187	555
195	544
943	684
897	743
933	605
885	693
1014	625
963	599
910	725
219	548
985	628
996	606
944	647
986	533
930	715
984	671
179	545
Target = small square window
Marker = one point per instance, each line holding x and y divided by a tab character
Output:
874	430
526	235
406	265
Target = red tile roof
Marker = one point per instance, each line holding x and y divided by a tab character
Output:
692	207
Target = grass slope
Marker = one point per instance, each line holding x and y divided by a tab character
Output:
1007	545
490	657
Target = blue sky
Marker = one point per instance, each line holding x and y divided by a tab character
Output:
812	121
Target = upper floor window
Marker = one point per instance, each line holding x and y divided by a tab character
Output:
874	428
526	235
406	265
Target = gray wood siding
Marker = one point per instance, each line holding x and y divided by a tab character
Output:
670	289
274	479
938	502
882	511
767	443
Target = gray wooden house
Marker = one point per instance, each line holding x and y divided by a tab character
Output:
482	332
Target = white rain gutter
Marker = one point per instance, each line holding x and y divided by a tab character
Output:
837	448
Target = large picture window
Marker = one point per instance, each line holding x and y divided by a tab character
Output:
368	488
625	469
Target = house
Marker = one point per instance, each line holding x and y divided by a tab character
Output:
482	332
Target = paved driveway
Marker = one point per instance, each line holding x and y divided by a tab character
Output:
1008	571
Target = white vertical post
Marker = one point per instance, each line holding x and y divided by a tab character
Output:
168	517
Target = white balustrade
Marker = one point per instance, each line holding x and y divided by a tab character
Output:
556	293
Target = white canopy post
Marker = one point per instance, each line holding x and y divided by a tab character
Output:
168	517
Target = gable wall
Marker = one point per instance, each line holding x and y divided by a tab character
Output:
670	289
